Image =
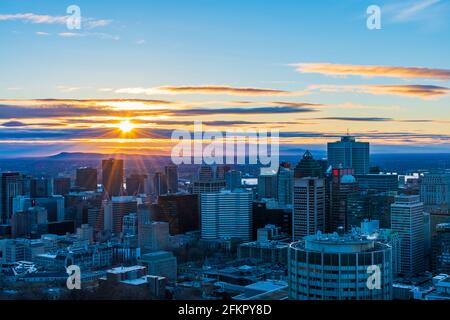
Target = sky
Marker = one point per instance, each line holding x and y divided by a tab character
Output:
311	69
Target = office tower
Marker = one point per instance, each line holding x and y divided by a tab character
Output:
268	212
112	176
85	232
285	180
441	249
153	236
96	218
32	221
348	153
172	178
308	167
331	267
53	204
435	189
180	211
206	181
233	179
267	185
86	178
130	224
221	171
308	215
136	184
407	219
61	186
159	183
371	205
227	214
115	210
205	173
342	184
39	188
378	182
11	185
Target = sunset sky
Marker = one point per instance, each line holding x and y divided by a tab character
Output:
312	69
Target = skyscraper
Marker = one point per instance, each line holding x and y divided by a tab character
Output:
159	183
407	220
11	185
39	188
112	176
226	214
348	153
206	181
61	185
342	184
86	178
435	189
308	167
233	179
267	185
308	215
116	209
172	178
180	211
136	184
285	180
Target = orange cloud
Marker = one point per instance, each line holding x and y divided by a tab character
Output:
373	71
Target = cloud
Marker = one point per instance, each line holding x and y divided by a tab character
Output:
41	33
140	42
373	71
363	119
409	10
90	23
422	91
208	89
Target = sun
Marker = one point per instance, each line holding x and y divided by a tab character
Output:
126	126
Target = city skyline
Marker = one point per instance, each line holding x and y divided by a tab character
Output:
136	72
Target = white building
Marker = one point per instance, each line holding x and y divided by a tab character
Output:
227	214
308	207
330	267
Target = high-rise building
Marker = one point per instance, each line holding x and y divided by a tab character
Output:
285	181
40	188
11	185
348	153
268	212
112	176
308	215
153	236
86	178
221	171
159	183
180	211
407	219
227	214
206	173
172	178
53	204
333	267
267	185
435	189
233	179
136	184
378	182
371	205
342	183
116	209
61	186
28	222
308	167
441	249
